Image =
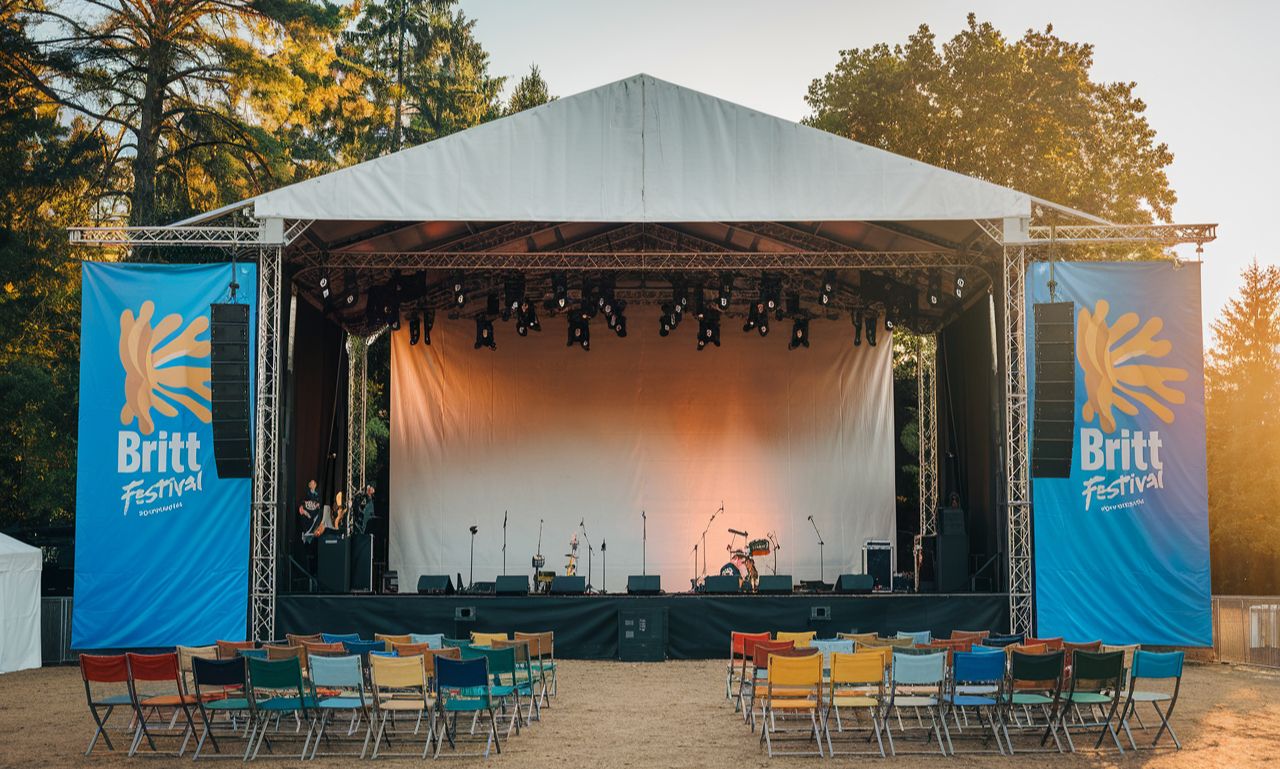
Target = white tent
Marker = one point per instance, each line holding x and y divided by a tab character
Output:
642	150
20	566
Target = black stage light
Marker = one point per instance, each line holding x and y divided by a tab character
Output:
458	287
869	324
484	334
699	303
579	329
709	330
428	322
753	318
856	317
726	290
393	320
415	329
770	291
559	289
799	333
326	290
763	327
620	325
828	291
350	288
959	287
935	288
514	288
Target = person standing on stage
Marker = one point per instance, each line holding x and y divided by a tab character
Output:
309	510
363	510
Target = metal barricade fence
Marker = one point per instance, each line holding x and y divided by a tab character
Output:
1246	629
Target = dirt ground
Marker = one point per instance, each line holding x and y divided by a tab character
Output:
615	714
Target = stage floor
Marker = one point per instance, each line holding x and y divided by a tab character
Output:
588	627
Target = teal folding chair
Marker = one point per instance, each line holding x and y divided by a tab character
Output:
220	691
917	682
338	638
1040	676
1154	666
462	686
276	689
346	676
1093	675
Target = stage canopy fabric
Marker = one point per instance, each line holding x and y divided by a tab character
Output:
20	566
642	150
644	423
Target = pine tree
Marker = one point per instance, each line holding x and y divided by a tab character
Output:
1242	409
530	91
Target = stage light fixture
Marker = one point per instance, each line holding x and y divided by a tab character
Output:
560	289
856	317
393	319
484	333
350	288
959	287
799	333
620	325
699	303
579	330
935	288
428	322
770	291
709	330
325	288
828	291
459	289
726	290
869	324
415	329
514	288
753	318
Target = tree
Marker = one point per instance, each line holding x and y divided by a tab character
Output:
51	172
175	82
1242	410
422	72
530	91
1024	114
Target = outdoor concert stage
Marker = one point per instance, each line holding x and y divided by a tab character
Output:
587	627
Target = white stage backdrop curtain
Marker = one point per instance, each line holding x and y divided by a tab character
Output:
647	423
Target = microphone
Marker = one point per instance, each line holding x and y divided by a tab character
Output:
504	519
811	518
739	533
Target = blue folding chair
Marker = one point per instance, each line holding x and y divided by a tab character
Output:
977	681
338	638
1004	640
462	686
363	648
1154	666
918	637
432	640
345	675
829	646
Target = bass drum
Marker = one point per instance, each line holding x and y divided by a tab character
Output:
730	570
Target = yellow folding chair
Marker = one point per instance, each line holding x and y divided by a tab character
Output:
400	686
802	640
857	682
487	639
795	688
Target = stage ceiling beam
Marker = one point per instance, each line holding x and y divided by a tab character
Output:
638	261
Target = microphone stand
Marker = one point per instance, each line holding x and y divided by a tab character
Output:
604	569
704	542
583	525
693	583
471	570
644	539
821	569
504	543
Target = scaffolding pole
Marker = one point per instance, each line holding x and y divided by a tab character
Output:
266	455
1016	469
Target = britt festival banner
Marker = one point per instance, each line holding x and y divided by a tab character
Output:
162	543
1122	545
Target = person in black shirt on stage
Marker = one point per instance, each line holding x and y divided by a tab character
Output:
309	511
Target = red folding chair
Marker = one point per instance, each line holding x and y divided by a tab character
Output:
104	669
158	668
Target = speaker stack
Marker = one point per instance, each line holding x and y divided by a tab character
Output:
951	548
1053	421
229	383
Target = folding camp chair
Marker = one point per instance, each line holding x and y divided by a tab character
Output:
858	638
857	682
917	682
801	639
1154	666
1094	674
525	675
220	690
976	636
755	673
104	669
917	637
542	655
1050	644
393	639
400	686
344	677
486	639
363	648
794	687
338	638
158	669
1004	640
434	640
185	655
295	639
502	668
229	649
462	686
829	646
976	683
276	688
736	639
1044	674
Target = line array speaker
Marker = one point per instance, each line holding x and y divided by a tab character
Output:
1053	422
229	385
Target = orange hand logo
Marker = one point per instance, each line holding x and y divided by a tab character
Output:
1111	380
150	382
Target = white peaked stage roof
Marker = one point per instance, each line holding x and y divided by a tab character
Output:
642	150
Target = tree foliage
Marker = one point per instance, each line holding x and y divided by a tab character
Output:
1242	410
1022	113
530	91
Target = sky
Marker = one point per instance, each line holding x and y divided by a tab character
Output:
1207	72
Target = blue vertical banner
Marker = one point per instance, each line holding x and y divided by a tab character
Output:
1122	545
162	543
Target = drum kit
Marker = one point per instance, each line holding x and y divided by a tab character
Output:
742	563
542	578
